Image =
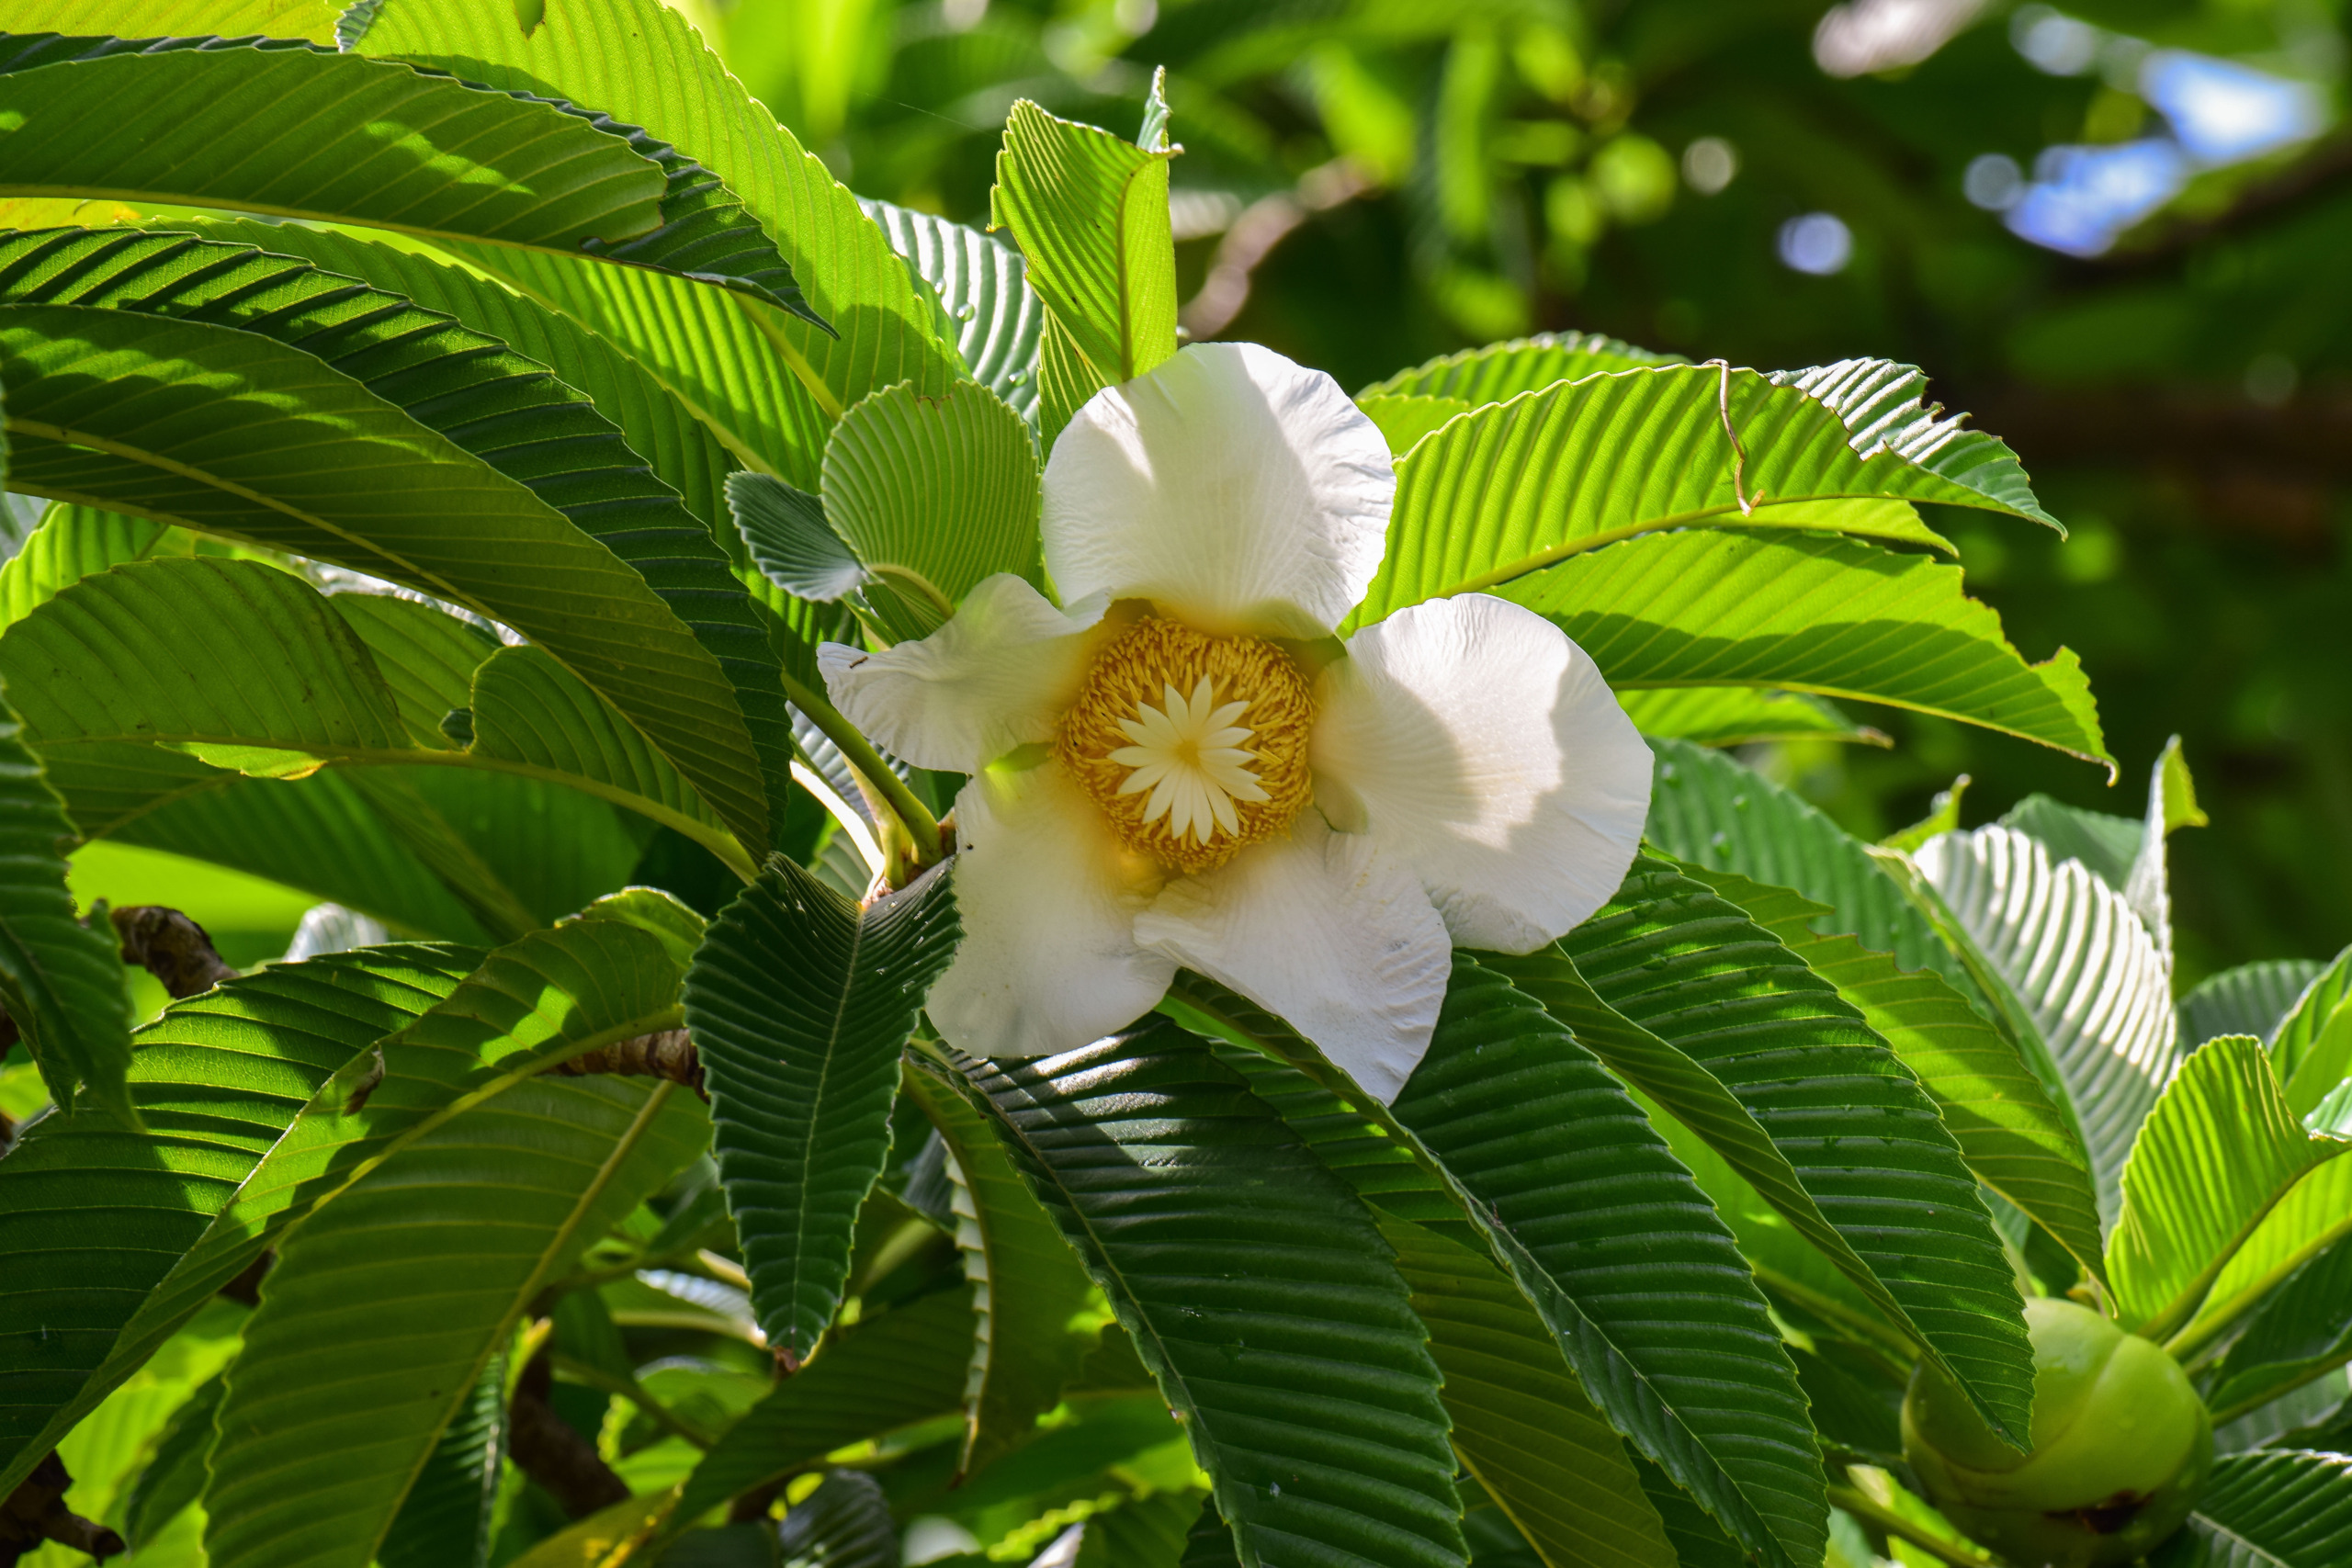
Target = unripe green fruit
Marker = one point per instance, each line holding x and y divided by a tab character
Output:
2121	1448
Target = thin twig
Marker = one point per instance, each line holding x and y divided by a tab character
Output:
669	1055
36	1512
171	947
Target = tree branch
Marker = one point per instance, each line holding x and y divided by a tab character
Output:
669	1055
171	947
545	1446
36	1512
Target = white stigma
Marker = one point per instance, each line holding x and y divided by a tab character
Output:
1189	755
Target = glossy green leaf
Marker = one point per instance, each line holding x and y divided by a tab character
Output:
2012	1134
1708	809
206	445
933	494
445	1520
70	543
1500	371
2314	1215
1563	1162
1405	422
2274	1510
297	131
799	1002
60	981
470	387
1835	616
1089	212
789	540
1026	1286
639	61
2301	1330
2218	1150
2312	1047
429	1259
1904	1218
2253	999
1254	1285
2083	968
983	285
426	656
886	1372
173	1474
1740	715
93	1218
845	1523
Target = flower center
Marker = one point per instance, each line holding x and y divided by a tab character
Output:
1192	745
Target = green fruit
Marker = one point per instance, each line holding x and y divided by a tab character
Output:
2121	1448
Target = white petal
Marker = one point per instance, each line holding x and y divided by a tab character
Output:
1050	960
1238	491
996	676
1325	929
1478	744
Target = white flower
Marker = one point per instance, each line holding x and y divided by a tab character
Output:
1183	768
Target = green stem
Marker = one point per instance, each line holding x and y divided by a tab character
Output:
1863	1506
921	828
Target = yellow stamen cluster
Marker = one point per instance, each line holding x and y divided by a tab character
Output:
1193	746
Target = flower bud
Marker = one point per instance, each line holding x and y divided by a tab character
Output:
2121	1448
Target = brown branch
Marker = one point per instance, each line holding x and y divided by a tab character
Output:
669	1055
545	1446
171	947
36	1512
2313	177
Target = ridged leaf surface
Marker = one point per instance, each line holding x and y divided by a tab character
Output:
92	1217
428	1261
1739	716
1835	616
983	285
1254	1285
2275	1509
1500	371
2313	1045
800	1002
2253	999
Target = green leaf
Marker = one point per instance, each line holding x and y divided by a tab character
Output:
297	131
789	540
1740	715
933	494
1405	422
2301	1330
506	409
884	1373
1089	212
639	61
799	1002
319	1445
426	656
2314	1215
1943	817
2253	999
70	543
1886	1192
845	1523
2219	1149
1564	1163
1503	370
445	1520
93	1218
983	286
173	1474
204	447
1026	1286
2313	1045
1809	612
1708	809
2084	970
2268	1510
2014	1136
60	981
2106	844
535	1003
1254	1285
1553	474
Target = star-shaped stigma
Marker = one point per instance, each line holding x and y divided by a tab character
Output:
1189	755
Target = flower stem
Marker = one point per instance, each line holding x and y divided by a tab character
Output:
921	828
1863	1506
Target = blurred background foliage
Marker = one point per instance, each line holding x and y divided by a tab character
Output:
2117	233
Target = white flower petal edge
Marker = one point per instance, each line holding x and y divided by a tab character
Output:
1049	959
1325	929
1238	491
1478	745
996	676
